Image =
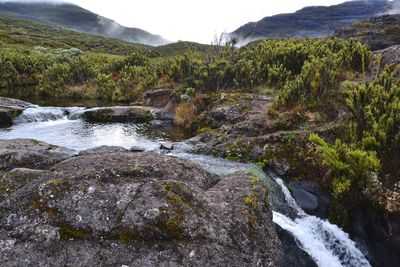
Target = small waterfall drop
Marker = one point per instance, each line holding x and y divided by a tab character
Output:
326	243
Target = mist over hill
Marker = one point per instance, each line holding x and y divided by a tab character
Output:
315	21
73	17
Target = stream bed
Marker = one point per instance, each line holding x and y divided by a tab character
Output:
326	243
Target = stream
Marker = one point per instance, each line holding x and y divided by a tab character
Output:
326	243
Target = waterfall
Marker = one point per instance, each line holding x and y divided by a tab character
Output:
42	114
326	243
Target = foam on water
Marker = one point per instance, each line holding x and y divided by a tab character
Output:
326	243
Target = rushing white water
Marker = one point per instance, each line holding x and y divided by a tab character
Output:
52	125
326	243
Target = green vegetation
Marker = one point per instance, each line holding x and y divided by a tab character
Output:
367	159
310	78
62	63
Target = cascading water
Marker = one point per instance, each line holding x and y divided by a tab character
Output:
326	243
63	127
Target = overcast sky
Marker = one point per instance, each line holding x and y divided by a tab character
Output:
192	20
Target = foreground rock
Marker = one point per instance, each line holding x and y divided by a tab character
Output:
11	108
27	153
102	150
133	114
135	209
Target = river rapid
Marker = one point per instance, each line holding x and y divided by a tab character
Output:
326	243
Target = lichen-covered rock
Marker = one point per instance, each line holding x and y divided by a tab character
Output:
27	153
389	56
136	209
102	150
11	108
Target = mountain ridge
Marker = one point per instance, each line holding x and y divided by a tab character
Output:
73	17
313	21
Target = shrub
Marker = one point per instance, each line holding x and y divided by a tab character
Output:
186	114
55	79
352	169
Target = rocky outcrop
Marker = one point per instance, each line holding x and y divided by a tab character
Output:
389	56
157	98
11	108
26	153
134	209
377	32
117	114
133	114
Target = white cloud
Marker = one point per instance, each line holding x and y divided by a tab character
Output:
192	20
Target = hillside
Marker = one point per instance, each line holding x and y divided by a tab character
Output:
378	33
317	21
73	17
26	34
20	33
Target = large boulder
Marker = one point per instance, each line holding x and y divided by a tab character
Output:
117	114
389	56
27	153
11	108
133	114
135	209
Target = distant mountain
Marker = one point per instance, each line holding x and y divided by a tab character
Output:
378	32
73	17
317	21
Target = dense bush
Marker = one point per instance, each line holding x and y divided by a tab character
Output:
375	119
307	70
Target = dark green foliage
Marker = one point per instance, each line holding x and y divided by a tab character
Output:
375	114
352	169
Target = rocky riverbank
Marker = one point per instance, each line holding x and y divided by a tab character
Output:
10	109
128	208
183	226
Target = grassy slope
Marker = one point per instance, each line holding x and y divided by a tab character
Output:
28	34
73	17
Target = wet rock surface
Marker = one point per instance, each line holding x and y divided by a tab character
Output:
134	209
379	234
311	198
294	256
11	108
27	153
117	114
133	114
